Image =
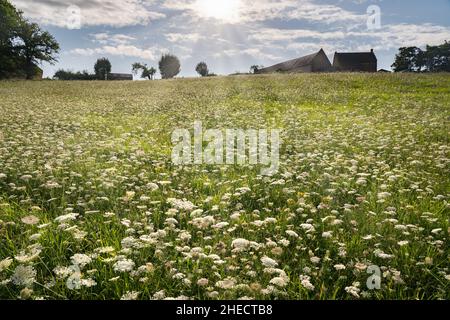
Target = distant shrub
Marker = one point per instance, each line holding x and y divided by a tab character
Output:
70	75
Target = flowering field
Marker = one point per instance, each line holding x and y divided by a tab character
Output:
91	206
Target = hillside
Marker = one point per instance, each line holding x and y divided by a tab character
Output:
92	207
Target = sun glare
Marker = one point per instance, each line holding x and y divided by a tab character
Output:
225	10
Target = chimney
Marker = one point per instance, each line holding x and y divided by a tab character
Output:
371	50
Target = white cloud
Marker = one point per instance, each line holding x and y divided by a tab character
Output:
105	37
256	53
93	12
263	10
183	37
118	45
120	50
389	37
413	35
274	34
325	13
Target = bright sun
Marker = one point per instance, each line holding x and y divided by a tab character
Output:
225	10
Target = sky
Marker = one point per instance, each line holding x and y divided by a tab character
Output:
232	35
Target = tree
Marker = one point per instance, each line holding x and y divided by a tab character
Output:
151	73
433	59
35	46
255	68
169	66
9	21
102	68
410	59
202	69
146	72
22	44
437	58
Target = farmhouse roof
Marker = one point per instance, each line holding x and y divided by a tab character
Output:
120	76
356	57
292	64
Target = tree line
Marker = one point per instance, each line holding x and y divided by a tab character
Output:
432	59
169	67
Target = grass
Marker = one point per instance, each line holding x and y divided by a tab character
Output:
363	181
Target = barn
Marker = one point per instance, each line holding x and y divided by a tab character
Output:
316	62
355	62
120	76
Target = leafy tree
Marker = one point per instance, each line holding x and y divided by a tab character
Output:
169	66
437	58
22	44
9	21
146	71
151	73
255	68
410	59
202	69
414	59
35	46
102	68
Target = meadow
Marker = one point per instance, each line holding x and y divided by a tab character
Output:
92	207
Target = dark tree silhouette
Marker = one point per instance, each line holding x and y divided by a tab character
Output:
23	44
146	71
414	59
202	69
70	75
9	22
255	68
410	59
36	46
437	58
169	66
102	68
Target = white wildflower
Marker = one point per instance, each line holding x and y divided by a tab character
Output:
30	220
292	233
130	295
327	234
279	281
125	265
5	263
339	267
66	217
23	275
226	284
80	260
240	244
306	282
268	262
